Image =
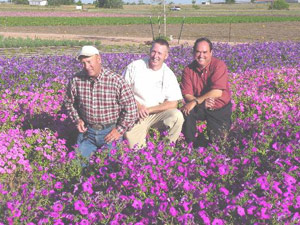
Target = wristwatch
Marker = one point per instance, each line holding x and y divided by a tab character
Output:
195	101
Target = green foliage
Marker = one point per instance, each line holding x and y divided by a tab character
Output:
28	42
229	1
109	3
21	2
196	7
162	37
60	2
79	3
279	4
69	21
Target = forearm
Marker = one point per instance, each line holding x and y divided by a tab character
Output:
163	107
215	93
128	116
71	110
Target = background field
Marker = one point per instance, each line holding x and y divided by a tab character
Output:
249	24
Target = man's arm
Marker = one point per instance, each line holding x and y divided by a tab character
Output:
192	101
214	93
128	114
144	111
163	106
69	102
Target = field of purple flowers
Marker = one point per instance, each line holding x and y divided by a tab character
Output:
253	177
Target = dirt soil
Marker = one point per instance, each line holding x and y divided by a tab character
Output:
141	34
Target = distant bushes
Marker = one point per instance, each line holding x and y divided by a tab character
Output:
279	4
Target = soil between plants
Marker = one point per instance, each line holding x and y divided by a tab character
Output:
142	34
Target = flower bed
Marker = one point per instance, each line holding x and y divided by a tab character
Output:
251	178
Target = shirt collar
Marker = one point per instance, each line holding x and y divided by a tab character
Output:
202	70
97	78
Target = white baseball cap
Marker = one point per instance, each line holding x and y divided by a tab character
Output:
88	50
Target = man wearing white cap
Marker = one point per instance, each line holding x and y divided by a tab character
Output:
100	102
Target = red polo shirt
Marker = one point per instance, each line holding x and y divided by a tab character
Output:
196	81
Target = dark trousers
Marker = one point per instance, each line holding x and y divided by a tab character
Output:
218	122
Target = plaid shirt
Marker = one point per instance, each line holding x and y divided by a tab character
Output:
104	100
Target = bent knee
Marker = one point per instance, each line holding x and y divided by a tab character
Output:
176	116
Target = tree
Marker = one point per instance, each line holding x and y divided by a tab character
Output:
279	4
229	1
61	2
109	3
194	5
21	2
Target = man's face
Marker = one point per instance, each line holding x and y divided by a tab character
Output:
158	54
92	65
203	54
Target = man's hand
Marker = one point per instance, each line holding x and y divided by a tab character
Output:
114	135
80	126
143	111
209	103
186	109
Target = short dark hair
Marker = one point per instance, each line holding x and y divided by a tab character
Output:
200	40
160	41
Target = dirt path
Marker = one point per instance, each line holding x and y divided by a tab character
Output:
140	34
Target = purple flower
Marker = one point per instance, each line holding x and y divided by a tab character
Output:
204	217
126	183
84	222
87	187
223	170
113	175
290	180
58	185
79	204
173	211
184	159
264	215
217	221
224	190
57	207
137	204
240	210
84	210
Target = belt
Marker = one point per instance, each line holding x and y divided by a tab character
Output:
101	126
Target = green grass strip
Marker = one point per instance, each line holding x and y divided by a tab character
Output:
72	21
10	42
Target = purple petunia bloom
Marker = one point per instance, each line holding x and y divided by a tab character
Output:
57	207
84	222
137	204
84	210
173	211
79	204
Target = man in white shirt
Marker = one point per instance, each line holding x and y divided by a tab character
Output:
157	92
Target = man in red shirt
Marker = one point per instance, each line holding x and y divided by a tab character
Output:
205	89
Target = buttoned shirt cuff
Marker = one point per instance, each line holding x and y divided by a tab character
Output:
76	119
120	129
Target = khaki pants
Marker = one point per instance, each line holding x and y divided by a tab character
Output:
171	119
